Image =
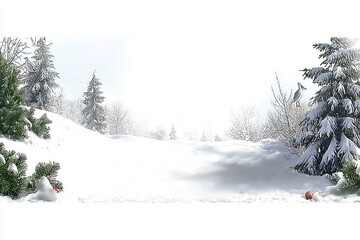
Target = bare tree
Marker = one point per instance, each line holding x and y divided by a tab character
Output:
283	121
245	125
73	110
119	120
13	50
191	135
59	104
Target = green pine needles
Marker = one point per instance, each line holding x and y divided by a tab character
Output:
15	119
351	179
13	180
50	171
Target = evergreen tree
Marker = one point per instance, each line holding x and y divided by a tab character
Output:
15	120
172	133
330	129
40	83
12	115
12	173
93	112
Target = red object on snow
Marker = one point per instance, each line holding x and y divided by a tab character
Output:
56	190
309	195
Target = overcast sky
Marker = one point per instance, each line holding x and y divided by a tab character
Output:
183	62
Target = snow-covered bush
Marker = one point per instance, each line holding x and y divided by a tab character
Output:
13	180
283	119
245	125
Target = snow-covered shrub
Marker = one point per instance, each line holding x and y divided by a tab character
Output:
48	170
350	178
12	173
13	180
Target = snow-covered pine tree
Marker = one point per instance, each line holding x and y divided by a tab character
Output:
40	84
15	119
331	133
12	173
12	115
172	133
13	180
93	112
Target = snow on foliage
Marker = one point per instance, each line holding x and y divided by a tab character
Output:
12	168
330	153
333	102
323	78
308	159
348	123
348	105
328	125
347	148
338	73
354	89
357	105
2	160
340	89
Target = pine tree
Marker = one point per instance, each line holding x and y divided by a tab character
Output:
13	180
330	129
12	115
40	84
15	119
172	133
93	112
12	173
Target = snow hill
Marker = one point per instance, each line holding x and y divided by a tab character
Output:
110	181
98	168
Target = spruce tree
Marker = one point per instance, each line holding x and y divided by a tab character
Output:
330	130
40	84
93	112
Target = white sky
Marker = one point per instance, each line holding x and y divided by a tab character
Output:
183	62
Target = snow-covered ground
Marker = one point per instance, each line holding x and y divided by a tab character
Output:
109	183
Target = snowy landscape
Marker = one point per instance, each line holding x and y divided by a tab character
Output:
180	120
127	175
124	169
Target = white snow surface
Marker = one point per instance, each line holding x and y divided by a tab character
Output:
116	188
117	169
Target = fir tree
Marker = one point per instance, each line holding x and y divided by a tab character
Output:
93	112
330	129
172	133
40	84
